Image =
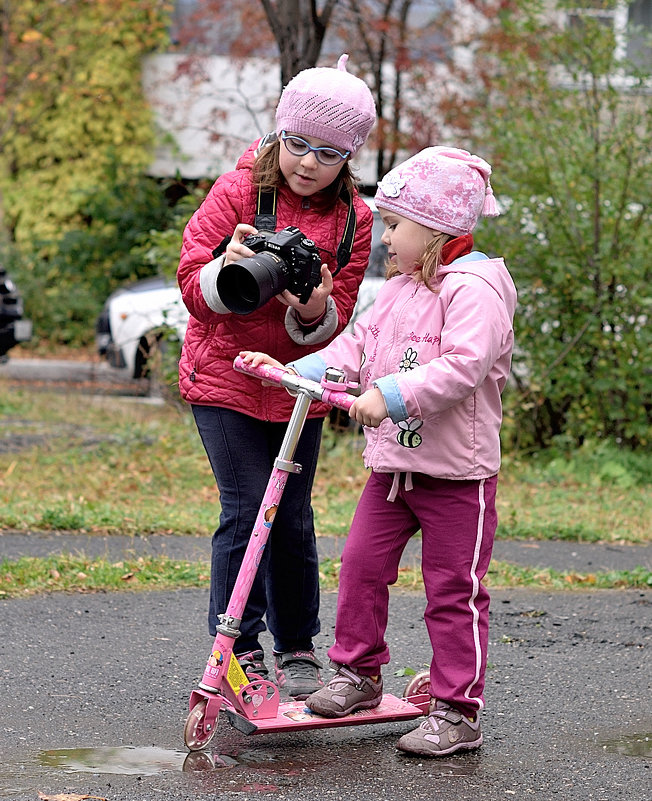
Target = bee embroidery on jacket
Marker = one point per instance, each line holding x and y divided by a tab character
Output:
409	361
408	435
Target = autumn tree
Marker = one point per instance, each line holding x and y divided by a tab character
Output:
71	105
76	137
553	101
292	30
397	46
401	45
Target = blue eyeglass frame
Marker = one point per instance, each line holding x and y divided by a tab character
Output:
316	150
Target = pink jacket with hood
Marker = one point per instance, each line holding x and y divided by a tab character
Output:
215	336
441	361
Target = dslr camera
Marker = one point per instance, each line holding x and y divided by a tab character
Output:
284	260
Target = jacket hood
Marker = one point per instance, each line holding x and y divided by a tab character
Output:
493	271
246	160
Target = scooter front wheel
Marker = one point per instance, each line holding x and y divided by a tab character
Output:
195	735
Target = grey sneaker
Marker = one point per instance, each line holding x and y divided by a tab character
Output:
444	731
297	672
252	662
346	692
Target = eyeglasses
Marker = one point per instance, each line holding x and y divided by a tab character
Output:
327	156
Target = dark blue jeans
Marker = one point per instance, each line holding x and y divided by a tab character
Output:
241	451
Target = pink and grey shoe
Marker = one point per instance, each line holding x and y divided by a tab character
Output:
443	732
297	672
252	663
346	692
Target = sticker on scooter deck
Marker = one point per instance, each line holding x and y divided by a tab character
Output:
294	716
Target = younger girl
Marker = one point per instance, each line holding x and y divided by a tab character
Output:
323	117
432	358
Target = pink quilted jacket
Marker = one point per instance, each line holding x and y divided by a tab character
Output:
213	340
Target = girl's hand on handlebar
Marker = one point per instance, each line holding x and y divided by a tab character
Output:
369	409
256	358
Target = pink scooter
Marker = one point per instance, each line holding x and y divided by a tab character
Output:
252	704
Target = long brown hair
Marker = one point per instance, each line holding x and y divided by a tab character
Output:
267	174
429	262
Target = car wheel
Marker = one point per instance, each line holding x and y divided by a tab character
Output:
158	362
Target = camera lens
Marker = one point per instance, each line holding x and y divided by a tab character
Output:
248	284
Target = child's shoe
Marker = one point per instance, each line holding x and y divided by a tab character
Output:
346	692
444	731
297	672
252	663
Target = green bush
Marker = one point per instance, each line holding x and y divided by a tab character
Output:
131	231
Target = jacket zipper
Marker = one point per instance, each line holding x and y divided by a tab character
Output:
198	354
389	355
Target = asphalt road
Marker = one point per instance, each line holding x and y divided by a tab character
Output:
95	693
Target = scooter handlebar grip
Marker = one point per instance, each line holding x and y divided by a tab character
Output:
296	383
343	400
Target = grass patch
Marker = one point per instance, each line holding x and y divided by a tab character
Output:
114	465
31	576
64	573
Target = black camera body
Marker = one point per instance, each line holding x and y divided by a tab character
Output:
284	260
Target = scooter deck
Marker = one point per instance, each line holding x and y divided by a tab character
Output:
295	716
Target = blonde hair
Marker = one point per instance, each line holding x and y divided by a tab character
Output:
428	263
267	174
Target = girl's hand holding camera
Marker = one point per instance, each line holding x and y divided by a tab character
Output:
235	250
316	305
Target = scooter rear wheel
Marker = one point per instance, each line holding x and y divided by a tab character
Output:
195	735
419	683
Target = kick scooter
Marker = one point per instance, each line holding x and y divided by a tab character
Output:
250	703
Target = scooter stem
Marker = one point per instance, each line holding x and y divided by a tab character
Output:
267	512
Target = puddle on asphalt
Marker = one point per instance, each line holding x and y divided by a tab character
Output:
124	760
148	761
629	745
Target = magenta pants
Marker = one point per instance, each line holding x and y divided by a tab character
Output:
458	523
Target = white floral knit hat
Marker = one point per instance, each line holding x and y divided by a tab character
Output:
443	188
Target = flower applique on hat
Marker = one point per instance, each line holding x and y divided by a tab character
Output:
391	185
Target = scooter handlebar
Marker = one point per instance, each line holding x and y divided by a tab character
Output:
328	391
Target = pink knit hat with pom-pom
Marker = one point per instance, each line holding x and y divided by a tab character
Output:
330	104
443	188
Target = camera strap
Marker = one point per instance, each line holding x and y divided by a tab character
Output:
265	220
346	243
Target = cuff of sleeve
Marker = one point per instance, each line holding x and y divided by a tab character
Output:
311	366
208	285
324	328
396	407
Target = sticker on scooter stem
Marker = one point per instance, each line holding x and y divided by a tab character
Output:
270	514
236	676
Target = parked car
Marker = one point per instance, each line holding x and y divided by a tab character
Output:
13	327
138	319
